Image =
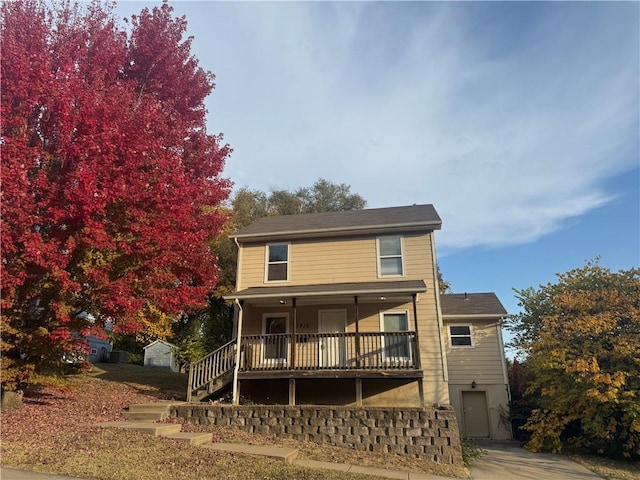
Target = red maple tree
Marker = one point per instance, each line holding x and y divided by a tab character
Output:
111	184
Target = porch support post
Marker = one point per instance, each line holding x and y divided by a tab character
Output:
293	335
355	301
358	392
415	326
417	353
292	391
236	367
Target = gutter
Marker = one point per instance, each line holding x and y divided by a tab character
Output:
324	232
321	293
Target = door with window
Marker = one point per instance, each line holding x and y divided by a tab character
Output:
332	349
395	347
275	346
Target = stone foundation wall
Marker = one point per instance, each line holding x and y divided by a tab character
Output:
430	433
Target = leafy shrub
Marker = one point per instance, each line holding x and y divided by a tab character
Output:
136	358
471	451
581	336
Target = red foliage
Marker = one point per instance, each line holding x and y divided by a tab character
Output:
111	184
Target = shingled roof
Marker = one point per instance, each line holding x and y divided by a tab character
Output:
351	222
481	304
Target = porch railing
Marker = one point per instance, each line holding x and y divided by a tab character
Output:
329	351
205	372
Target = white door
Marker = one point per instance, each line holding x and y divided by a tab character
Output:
476	419
332	348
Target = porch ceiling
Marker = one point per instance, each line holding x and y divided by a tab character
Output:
335	293
343	373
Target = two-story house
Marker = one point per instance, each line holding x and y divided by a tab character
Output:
338	308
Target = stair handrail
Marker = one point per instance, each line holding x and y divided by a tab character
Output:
210	367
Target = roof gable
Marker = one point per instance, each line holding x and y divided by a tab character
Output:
163	342
351	222
471	304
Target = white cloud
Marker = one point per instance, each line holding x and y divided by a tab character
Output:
508	136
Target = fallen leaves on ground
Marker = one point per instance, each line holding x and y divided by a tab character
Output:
56	432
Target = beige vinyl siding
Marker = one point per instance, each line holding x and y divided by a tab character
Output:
307	316
339	260
482	362
417	257
354	259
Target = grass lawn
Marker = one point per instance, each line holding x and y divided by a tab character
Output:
610	469
54	433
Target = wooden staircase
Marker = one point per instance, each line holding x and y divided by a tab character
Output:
212	374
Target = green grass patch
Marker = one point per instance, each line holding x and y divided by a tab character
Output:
166	384
610	469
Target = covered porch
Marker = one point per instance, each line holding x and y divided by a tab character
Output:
327	331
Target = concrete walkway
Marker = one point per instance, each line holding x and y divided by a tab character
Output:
11	474
505	461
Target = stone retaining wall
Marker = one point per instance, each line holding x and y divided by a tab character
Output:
430	433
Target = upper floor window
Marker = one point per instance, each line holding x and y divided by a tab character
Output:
277	262
390	261
460	335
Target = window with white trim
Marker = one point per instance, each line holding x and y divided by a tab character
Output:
390	261
396	346
460	335
277	269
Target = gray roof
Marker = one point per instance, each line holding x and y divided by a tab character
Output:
360	288
351	222
481	304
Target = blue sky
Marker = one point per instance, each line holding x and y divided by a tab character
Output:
519	121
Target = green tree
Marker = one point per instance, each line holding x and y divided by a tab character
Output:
443	285
581	338
324	196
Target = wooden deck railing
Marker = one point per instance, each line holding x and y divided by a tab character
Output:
206	370
329	351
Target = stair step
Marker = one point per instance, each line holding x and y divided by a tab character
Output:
193	438
287	455
150	407
145	415
146	427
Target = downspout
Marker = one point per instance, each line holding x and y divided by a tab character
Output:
443	352
237	265
503	358
236	367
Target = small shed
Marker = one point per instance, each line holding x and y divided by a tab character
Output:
161	354
99	349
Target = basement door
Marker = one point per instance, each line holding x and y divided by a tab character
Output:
332	348
476	417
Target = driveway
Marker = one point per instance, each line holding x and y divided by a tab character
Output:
507	461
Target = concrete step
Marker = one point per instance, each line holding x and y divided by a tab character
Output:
150	407
193	438
150	416
152	428
287	455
